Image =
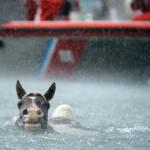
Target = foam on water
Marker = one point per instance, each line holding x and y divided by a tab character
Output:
141	129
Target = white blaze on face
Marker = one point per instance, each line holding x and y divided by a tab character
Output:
32	116
33	100
63	110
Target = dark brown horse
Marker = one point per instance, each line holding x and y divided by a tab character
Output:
33	107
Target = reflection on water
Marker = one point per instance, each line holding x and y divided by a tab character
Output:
118	111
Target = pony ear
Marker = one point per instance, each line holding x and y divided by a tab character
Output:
19	89
50	92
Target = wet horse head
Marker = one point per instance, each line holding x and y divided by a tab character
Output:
33	107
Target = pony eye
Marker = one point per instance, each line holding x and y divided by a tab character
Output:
19	104
38	102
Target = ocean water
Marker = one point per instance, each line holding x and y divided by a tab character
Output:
119	113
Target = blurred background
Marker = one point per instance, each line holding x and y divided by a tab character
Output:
111	56
106	9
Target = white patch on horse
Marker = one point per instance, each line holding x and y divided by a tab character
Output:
33	98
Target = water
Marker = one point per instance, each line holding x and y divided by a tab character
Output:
120	113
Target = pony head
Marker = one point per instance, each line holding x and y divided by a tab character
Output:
33	107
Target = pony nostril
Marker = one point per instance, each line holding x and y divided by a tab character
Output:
25	112
39	112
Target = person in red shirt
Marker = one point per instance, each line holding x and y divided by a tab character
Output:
144	7
50	9
31	7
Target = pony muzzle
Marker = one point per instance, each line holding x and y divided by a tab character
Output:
32	117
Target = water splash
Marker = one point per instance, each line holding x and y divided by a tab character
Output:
142	129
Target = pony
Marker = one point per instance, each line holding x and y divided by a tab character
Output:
33	107
63	120
33	112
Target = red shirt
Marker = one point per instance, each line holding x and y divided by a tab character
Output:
50	9
31	8
143	17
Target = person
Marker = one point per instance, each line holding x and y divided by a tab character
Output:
41	10
68	7
31	7
99	10
93	10
144	7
